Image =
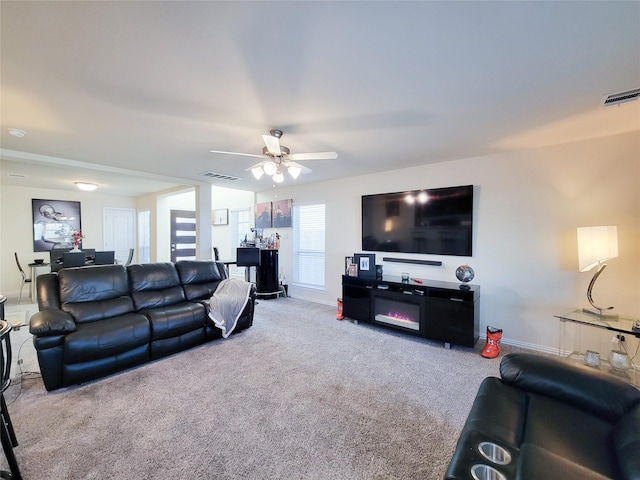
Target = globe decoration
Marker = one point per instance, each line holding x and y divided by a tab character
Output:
465	274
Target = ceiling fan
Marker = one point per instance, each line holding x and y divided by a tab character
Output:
277	157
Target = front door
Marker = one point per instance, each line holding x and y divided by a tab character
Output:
183	235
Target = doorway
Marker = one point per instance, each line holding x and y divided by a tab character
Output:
119	231
183	235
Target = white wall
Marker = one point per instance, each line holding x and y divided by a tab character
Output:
16	226
527	207
231	199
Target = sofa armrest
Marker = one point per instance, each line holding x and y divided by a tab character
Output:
51	322
586	388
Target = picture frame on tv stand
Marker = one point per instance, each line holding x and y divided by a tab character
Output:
366	263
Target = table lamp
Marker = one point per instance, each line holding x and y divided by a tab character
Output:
595	246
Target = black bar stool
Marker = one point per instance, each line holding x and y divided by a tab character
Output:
7	434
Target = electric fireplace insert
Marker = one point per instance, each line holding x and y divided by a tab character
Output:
402	313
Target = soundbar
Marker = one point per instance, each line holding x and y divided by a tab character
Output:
433	263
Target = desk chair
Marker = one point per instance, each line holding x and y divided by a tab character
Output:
7	433
73	259
25	278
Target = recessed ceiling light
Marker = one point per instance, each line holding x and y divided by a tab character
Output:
17	133
88	187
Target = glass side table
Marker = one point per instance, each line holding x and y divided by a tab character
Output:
619	325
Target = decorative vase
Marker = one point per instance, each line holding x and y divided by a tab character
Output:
75	249
619	360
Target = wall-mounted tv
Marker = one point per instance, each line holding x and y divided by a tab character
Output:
437	221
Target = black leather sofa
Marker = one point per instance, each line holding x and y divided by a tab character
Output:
555	419
95	321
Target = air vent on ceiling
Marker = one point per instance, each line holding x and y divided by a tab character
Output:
220	176
618	98
16	175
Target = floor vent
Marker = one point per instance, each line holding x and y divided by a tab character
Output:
220	176
618	98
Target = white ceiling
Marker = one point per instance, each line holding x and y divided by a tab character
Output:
151	87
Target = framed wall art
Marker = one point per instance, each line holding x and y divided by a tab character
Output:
54	222
282	213
263	215
220	217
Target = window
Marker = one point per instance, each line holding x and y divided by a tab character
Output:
240	221
144	236
308	245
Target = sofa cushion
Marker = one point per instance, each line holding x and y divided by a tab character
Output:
106	338
199	278
154	285
626	439
572	433
538	463
89	294
176	320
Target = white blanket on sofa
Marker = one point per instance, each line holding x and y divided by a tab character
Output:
227	303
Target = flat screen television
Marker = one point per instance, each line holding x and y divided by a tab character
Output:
437	221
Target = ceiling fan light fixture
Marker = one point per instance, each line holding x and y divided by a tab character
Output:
270	168
294	171
257	172
278	177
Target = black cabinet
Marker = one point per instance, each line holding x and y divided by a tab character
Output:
356	300
435	310
267	274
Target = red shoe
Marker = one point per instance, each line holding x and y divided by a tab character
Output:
492	348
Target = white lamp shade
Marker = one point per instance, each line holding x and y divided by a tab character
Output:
257	172
278	177
270	168
294	171
595	245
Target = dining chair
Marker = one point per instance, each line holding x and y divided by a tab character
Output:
130	258
55	256
73	259
104	258
25	278
7	433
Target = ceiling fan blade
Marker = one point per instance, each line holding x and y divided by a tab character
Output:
237	153
302	168
273	144
314	156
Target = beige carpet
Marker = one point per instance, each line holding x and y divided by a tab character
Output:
299	395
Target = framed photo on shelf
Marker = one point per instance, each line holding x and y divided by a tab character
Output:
353	270
348	261
220	217
366	263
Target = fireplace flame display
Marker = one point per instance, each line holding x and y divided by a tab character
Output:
398	313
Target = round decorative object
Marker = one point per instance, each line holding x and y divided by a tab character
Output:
465	273
619	360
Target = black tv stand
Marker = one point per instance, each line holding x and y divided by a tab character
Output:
431	309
